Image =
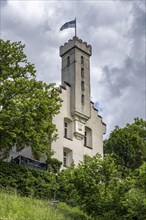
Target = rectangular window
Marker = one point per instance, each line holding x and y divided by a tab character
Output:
64	159
65	130
85	139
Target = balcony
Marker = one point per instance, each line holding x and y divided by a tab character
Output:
35	164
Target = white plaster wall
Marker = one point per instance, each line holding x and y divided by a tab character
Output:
26	152
98	129
77	146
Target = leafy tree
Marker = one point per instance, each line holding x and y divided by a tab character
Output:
95	186
98	188
54	164
67	191
134	200
141	177
99	185
128	144
27	106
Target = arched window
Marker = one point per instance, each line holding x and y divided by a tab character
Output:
68	61
82	60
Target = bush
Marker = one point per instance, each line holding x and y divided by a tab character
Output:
27	181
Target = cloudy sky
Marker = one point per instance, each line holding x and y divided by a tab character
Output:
115	29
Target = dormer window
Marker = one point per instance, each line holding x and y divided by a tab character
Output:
82	60
68	61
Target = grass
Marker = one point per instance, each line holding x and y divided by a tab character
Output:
13	207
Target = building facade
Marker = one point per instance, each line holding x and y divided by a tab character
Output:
80	128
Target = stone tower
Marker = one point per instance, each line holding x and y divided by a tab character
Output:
76	71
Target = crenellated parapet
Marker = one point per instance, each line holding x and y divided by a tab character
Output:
78	43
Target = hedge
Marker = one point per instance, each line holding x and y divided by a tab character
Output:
27	181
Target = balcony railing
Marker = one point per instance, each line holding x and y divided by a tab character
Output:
35	164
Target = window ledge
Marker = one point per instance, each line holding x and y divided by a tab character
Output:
88	147
68	138
65	166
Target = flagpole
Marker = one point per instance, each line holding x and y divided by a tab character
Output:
75	28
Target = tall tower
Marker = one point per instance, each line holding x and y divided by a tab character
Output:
76	71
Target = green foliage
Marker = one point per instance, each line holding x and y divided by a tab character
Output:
13	207
67	191
128	145
134	200
95	188
90	185
135	204
98	188
27	106
141	177
54	165
27	181
73	213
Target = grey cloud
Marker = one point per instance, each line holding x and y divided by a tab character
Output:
118	55
139	22
116	79
125	83
3	3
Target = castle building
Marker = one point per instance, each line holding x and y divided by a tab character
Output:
80	128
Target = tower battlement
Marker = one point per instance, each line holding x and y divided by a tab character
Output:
78	43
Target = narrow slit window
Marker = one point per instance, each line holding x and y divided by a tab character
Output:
82	60
83	99
82	86
68	61
85	139
82	72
